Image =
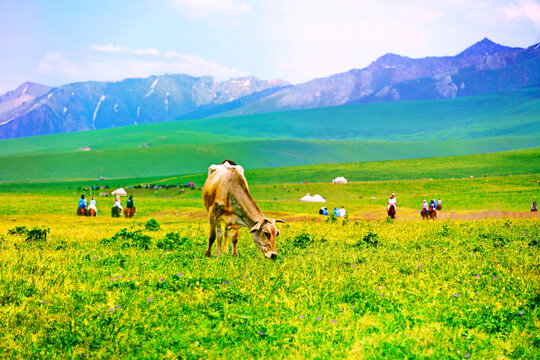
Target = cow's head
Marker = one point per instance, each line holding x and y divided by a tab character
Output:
264	233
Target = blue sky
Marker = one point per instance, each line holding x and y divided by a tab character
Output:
60	41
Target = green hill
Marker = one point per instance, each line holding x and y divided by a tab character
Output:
189	159
353	133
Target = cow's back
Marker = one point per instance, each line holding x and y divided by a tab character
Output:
223	180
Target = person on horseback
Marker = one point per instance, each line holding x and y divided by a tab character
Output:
533	206
130	202
82	202
118	202
92	205
433	204
392	201
425	205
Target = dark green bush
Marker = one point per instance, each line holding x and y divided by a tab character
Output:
371	239
37	234
172	241
18	230
152	225
130	239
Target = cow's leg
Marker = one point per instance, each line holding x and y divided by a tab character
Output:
235	241
219	237
211	237
226	239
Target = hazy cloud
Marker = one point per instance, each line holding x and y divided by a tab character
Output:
525	9
117	63
213	8
122	49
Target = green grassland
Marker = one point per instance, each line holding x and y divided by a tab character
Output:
189	159
353	133
360	287
445	290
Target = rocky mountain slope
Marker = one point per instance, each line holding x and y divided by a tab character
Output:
485	67
97	105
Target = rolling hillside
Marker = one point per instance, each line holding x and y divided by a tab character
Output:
361	132
514	113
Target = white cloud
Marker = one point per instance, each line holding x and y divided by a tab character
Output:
149	51
524	9
213	8
53	62
110	48
117	65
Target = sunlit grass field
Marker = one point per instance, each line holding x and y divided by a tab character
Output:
360	287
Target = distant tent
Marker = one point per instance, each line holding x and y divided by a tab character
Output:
315	198
120	192
339	180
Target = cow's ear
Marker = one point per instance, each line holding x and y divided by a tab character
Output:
257	226
279	220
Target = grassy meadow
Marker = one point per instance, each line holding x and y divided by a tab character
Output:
362	287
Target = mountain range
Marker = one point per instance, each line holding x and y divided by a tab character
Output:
483	68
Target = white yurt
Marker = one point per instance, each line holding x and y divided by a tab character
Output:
339	180
120	192
315	198
318	198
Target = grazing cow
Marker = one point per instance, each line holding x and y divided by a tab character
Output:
228	202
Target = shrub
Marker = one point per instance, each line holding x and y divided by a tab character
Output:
18	230
172	241
371	239
303	240
130	239
152	225
37	234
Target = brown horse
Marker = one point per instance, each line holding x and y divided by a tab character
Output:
392	211
81	211
129	212
439	207
432	213
91	212
424	214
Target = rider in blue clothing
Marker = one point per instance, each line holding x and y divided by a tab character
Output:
82	202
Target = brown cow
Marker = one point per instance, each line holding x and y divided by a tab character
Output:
228	202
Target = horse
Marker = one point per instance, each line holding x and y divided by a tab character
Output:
392	211
91	212
432	213
81	211
129	212
424	214
115	211
439	207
